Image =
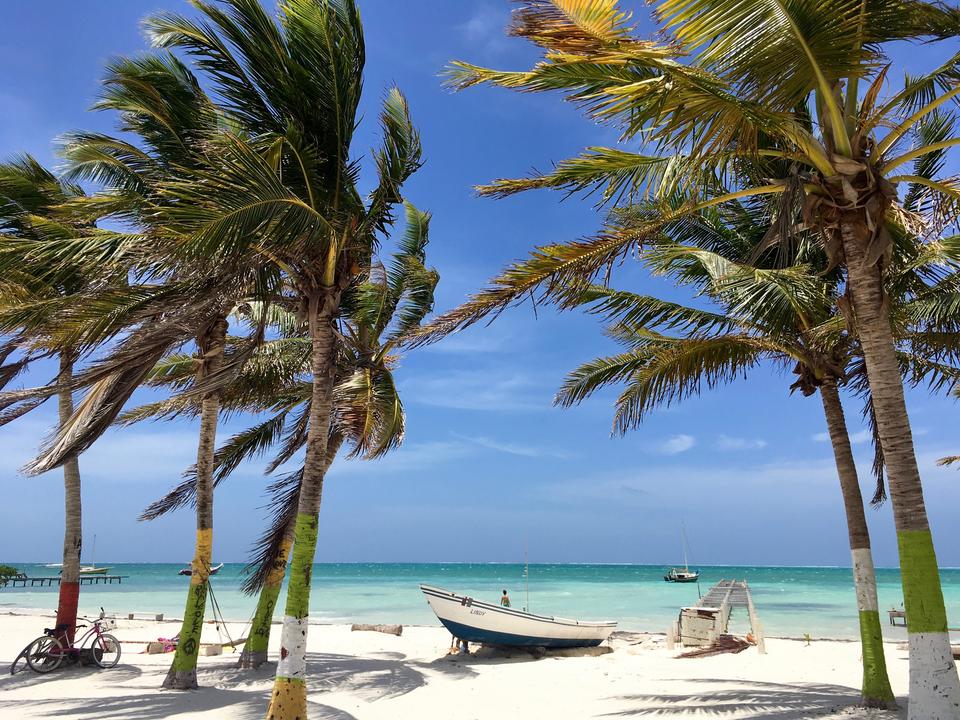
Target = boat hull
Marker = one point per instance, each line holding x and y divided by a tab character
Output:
94	570
479	622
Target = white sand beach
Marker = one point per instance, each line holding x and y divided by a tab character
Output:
367	675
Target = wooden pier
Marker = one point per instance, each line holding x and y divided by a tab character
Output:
54	581
704	623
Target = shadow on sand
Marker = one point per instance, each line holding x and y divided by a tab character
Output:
246	693
755	700
27	678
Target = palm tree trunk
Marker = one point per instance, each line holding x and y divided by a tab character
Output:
876	688
72	533
289	698
183	671
255	649
934	685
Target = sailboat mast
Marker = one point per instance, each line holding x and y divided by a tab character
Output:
683	542
526	577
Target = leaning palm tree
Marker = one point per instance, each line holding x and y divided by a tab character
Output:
178	299
30	198
287	189
777	85
768	312
368	413
160	100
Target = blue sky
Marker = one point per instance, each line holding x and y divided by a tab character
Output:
488	465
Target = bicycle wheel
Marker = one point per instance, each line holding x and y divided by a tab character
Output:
105	651
44	654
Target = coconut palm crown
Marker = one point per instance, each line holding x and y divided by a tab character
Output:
747	98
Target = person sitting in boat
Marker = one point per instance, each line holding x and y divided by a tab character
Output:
505	600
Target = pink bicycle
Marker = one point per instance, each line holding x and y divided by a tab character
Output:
48	651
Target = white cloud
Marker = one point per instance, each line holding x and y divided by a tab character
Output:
726	442
857	438
677	444
412	456
485	30
468	344
490	390
521	450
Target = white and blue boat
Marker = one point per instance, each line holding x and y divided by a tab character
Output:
488	624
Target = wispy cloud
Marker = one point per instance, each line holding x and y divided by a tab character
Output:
485	389
522	450
726	442
484	30
468	344
857	438
411	456
677	444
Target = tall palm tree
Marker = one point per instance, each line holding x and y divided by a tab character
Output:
30	196
287	189
768	312
175	127
378	314
776	84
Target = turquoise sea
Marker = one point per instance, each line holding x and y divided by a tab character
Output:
791	601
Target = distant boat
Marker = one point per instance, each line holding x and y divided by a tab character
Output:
94	570
189	571
684	575
480	622
91	569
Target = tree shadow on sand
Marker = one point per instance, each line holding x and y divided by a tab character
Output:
748	699
27	678
151	705
370	678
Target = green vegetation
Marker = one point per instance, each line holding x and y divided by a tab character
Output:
775	170
762	102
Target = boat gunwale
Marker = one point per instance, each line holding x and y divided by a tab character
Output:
443	594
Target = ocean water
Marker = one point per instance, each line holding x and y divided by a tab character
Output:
791	601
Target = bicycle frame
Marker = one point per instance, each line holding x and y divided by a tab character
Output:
93	634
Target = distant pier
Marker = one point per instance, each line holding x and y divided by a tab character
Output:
24	582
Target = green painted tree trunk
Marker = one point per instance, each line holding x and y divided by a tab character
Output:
183	671
934	684
289	698
255	649
876	690
72	532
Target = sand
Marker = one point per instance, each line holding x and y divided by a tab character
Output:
371	675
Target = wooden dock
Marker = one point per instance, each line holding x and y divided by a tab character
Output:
54	581
703	624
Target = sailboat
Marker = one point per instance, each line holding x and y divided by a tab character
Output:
92	568
685	574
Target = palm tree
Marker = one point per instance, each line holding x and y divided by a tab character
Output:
286	188
30	196
776	85
160	100
176	126
378	315
768	312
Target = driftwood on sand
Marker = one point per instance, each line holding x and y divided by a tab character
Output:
723	644
389	629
